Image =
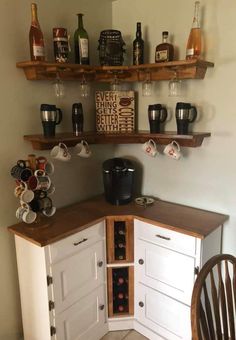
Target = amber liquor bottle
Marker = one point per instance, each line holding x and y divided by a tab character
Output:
165	50
194	46
37	50
138	47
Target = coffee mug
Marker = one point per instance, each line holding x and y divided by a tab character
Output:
60	152
19	189
51	189
40	204
82	149
21	171
150	148
25	214
49	211
45	165
26	195
39	181
173	150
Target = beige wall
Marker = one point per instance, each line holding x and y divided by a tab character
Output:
205	177
20	102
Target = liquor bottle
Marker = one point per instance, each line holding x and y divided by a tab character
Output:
81	43
37	51
193	50
119	253
77	118
165	50
138	47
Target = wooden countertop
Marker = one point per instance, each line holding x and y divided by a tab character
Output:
74	218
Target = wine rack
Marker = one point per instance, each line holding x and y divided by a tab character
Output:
120	236
120	291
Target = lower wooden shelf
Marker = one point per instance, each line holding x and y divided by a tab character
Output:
39	142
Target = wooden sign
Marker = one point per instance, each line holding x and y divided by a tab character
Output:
115	111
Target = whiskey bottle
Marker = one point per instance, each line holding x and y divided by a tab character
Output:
193	50
81	43
165	50
36	41
138	47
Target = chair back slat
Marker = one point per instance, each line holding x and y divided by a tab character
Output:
222	302
209	313
228	286
216	310
213	305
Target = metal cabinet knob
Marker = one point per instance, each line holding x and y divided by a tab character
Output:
101	307
141	304
141	261
100	263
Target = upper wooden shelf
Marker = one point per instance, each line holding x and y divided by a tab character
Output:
39	142
184	69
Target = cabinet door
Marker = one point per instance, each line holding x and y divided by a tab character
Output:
77	275
162	314
165	270
85	320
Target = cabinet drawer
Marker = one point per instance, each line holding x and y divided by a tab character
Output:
74	243
165	316
167	238
85	320
164	269
78	275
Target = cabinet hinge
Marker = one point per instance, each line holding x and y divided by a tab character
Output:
51	305
53	330
196	270
49	280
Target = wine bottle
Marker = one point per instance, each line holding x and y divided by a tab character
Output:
165	50
81	43
194	44
138	47
37	50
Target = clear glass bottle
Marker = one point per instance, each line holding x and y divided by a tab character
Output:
36	40
194	45
138	47
81	43
165	50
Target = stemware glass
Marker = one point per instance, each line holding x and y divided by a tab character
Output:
115	85
147	86
84	88
58	87
175	86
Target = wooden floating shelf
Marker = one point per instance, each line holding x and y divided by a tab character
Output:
184	69
39	142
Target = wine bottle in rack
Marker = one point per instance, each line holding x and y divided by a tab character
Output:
36	40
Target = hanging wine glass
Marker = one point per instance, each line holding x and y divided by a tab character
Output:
147	86
84	88
58	87
175	86
115	85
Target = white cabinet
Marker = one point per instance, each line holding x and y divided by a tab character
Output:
63	287
166	263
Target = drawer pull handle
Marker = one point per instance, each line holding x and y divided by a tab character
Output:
101	307
164	237
141	304
82	241
100	263
141	261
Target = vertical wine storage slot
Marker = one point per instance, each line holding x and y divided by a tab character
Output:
120	279
120	240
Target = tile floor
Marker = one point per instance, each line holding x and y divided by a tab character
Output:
124	335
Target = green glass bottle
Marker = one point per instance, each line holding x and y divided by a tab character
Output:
81	43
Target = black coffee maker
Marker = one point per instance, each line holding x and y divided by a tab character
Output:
118	180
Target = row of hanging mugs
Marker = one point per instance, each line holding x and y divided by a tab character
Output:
185	113
171	150
60	152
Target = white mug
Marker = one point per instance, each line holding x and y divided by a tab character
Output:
25	214
173	150
60	152
82	149
27	195
150	148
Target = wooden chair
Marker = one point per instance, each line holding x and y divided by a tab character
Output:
213	305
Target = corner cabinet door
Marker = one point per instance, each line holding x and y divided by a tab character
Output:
165	316
85	320
78	275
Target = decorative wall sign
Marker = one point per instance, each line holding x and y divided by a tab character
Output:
115	111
